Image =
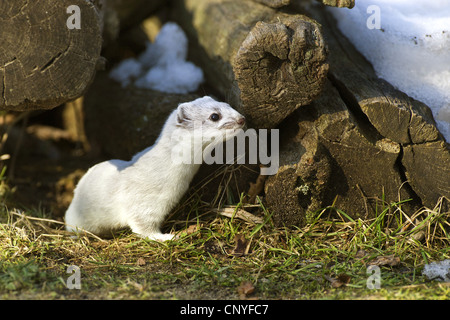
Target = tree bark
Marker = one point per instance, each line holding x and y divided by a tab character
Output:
44	63
266	63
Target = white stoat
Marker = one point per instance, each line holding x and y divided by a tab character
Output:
139	194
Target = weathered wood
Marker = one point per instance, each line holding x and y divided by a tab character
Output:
428	170
123	121
266	63
392	114
330	156
339	3
366	140
44	63
274	3
132	12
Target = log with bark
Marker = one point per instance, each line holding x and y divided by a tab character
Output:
132	12
333	3
361	140
49	51
266	63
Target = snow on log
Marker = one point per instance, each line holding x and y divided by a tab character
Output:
407	43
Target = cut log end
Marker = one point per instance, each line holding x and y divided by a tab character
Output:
274	3
272	68
264	62
49	52
339	3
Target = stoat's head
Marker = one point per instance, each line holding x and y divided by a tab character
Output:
209	118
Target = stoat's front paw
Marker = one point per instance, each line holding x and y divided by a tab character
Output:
162	237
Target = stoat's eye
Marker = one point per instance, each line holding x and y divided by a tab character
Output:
214	117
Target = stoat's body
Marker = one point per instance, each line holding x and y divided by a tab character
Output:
140	193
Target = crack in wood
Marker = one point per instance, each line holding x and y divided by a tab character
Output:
405	182
10	62
361	119
369	131
4	86
51	61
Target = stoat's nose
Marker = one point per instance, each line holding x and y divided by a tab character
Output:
241	121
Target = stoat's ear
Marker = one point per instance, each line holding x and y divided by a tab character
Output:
182	117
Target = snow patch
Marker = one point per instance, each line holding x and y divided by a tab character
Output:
411	50
162	66
438	270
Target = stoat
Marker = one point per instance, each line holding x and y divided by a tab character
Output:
140	193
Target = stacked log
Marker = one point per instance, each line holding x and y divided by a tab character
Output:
347	137
363	140
51	49
49	53
265	63
424	155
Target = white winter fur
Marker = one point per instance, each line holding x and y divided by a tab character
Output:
140	193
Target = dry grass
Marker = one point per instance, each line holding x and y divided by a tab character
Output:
216	254
219	249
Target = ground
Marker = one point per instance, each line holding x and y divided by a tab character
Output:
215	257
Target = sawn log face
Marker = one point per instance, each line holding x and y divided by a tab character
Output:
43	63
266	63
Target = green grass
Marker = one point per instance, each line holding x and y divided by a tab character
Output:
205	262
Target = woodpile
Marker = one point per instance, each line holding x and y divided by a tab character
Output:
347	138
362	145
